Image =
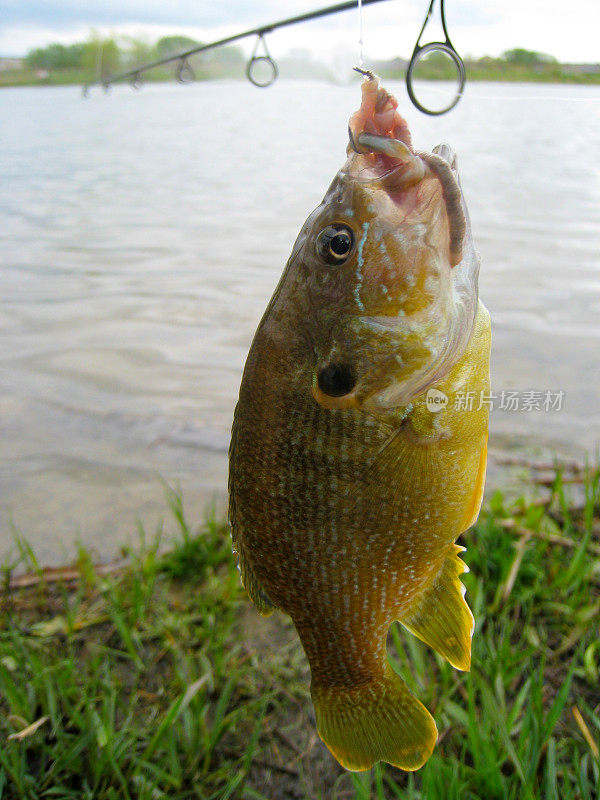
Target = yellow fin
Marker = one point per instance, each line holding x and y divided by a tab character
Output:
441	616
473	510
378	721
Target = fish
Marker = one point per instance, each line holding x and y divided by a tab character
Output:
356	459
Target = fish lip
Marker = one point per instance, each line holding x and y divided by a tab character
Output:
386	145
383	159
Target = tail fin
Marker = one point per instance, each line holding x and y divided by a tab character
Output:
378	721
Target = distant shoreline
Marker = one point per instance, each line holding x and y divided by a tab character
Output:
588	80
82	63
592	79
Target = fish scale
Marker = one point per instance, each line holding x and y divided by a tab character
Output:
347	490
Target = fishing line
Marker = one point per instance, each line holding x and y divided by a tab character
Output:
360	35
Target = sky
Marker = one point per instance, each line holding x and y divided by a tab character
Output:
568	31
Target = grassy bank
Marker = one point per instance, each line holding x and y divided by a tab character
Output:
485	69
79	77
82	62
155	678
494	69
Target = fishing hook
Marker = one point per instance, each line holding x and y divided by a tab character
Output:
366	72
265	59
421	51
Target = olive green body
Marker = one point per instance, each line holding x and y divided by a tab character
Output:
340	519
358	447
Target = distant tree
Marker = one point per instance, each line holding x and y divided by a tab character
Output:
527	58
56	56
135	51
101	55
172	45
435	66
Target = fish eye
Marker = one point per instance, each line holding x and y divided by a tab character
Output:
336	380
335	243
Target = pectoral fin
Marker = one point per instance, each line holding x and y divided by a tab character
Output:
441	616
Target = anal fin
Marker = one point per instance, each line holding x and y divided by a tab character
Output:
441	617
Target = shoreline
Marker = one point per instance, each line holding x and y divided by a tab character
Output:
82	80
514	467
512	474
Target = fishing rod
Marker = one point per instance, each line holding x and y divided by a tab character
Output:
185	73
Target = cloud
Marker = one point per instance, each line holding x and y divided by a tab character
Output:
476	27
57	13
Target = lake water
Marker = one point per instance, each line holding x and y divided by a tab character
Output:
143	233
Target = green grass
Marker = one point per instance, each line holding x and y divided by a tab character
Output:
486	69
159	680
81	77
497	70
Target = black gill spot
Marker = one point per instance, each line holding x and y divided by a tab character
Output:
336	380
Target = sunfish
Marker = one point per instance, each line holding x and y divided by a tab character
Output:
355	462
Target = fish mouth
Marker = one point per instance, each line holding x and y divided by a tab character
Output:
394	148
416	197
379	137
393	157
381	155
